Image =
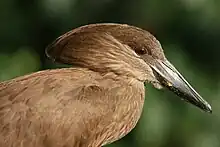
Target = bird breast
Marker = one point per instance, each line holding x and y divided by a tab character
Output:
126	114
68	107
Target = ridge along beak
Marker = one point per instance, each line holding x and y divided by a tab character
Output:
170	78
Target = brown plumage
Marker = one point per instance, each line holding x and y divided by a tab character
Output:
99	100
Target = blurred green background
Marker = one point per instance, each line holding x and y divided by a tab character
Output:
189	31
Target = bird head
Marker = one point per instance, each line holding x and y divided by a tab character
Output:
125	51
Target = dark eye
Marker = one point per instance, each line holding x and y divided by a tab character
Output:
141	51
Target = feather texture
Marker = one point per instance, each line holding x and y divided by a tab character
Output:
55	108
97	102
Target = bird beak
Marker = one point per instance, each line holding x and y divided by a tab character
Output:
170	78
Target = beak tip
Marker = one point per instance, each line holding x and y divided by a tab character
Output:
209	111
208	108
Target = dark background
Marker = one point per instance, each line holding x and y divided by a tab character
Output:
189	31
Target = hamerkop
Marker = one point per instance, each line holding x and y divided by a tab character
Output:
97	101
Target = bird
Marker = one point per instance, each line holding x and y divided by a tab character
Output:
98	99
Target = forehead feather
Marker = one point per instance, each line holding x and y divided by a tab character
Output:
132	36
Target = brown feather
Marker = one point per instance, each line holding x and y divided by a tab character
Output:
64	107
85	37
85	106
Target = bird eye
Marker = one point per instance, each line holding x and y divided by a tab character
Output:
141	51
